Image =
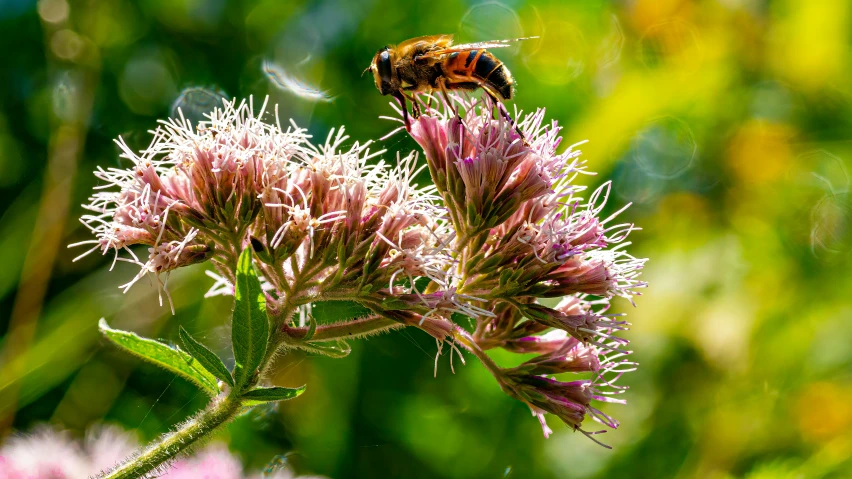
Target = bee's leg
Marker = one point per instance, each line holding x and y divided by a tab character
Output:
415	107
400	97
442	84
505	113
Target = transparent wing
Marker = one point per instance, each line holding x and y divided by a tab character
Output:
466	47
438	41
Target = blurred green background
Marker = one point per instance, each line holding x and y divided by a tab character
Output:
727	124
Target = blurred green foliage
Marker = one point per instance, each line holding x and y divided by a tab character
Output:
727	124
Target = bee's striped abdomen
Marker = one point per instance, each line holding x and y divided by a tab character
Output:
493	72
482	67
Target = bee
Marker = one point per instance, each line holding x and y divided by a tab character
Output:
430	63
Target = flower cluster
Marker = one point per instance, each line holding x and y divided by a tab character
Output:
501	233
324	221
50	454
524	234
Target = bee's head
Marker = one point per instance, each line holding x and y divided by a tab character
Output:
382	69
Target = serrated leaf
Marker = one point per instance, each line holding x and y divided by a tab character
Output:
206	357
261	395
170	359
250	327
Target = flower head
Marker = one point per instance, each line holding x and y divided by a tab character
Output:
205	192
521	201
523	233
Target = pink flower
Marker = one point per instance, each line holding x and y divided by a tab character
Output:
50	454
523	233
572	356
523	200
214	462
503	228
204	193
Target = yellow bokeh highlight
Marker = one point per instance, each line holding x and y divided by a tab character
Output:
810	46
646	13
822	411
760	152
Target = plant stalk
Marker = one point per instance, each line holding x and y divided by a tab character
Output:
357	328
169	447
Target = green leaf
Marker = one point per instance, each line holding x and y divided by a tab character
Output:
312	329
170	359
261	395
250	327
206	357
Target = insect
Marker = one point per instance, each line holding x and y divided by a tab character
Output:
429	63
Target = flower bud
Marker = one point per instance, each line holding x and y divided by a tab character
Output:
546	343
571	356
569	401
581	326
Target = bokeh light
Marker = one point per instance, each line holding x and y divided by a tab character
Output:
196	103
490	21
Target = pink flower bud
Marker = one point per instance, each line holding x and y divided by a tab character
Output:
546	343
571	356
580	326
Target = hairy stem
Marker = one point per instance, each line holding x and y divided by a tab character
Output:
170	446
347	329
277	338
463	337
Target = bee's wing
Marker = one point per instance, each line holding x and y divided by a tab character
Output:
466	47
434	41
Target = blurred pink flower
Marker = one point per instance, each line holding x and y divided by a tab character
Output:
50	454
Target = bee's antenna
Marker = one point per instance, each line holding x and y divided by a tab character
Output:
366	70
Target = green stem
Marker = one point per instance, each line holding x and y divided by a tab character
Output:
220	411
463	337
331	295
356	328
277	338
168	448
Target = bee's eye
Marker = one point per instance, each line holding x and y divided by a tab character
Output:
384	71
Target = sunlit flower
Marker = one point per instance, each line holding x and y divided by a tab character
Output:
523	233
503	228
522	202
333	212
